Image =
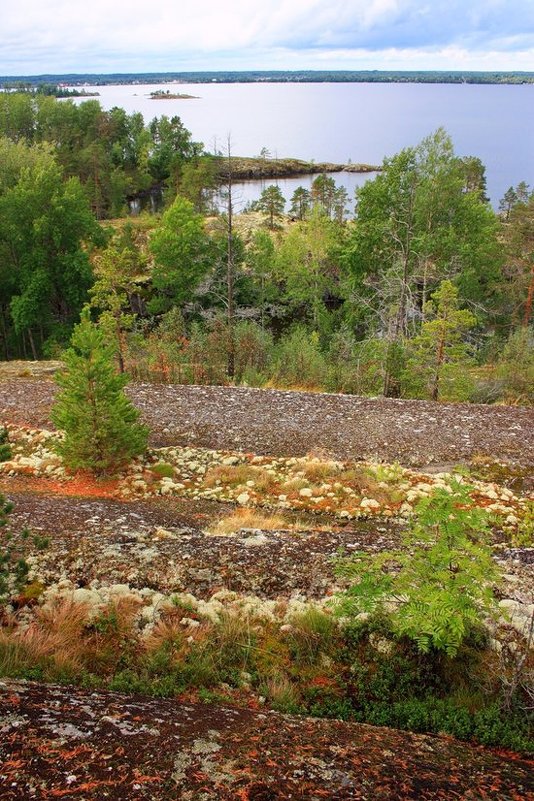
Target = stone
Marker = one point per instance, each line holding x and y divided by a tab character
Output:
369	503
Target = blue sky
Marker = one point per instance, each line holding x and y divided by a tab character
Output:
75	36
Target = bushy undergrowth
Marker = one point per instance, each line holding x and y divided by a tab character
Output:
310	664
303	358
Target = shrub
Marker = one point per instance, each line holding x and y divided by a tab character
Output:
516	366
163	470
5	448
437	589
299	361
310	635
13	567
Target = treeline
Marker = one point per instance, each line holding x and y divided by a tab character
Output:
114	155
426	293
282	76
47	89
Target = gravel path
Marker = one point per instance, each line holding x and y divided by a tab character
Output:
295	423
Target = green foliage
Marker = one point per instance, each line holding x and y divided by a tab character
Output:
306	265
5	447
439	587
523	536
182	254
420	221
311	634
45	225
438	357
13	567
271	202
515	368
300	203
299	361
100	423
163	470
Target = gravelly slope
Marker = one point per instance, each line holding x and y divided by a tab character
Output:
293	423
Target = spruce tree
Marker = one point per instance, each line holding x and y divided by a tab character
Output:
101	426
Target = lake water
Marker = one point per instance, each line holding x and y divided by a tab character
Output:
355	122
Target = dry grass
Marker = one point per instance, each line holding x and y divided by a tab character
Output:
294	485
168	633
237	475
249	519
280	692
316	470
55	638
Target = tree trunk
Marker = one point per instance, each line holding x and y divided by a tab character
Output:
230	367
530	298
32	345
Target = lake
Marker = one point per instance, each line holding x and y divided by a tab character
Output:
342	122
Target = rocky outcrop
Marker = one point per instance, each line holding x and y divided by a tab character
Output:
254	169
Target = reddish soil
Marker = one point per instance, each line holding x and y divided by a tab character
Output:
78	745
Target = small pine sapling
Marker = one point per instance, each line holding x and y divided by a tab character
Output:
13	568
101	426
5	448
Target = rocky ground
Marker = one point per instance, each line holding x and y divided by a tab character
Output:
294	423
154	532
60	743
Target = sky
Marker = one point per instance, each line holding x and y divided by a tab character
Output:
102	36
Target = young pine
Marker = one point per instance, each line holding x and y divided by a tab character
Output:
101	426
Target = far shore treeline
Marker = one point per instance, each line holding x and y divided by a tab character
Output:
274	76
427	292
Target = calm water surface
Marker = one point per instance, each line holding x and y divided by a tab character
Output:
358	122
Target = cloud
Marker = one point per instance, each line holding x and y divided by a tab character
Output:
62	36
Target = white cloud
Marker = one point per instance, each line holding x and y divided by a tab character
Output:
62	36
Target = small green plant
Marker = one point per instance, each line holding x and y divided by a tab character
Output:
5	447
13	567
439	587
100	423
163	470
523	536
312	633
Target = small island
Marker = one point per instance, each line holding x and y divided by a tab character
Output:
166	94
259	168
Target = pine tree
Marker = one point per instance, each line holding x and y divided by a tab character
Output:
439	357
100	423
5	448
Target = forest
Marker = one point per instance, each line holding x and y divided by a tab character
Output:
426	292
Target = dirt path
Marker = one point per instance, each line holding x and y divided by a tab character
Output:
295	423
70	744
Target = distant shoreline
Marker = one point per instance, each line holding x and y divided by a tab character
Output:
280	76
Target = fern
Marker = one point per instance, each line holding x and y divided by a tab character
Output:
440	585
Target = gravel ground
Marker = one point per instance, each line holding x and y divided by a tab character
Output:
294	423
162	545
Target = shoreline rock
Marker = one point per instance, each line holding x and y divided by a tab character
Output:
254	169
